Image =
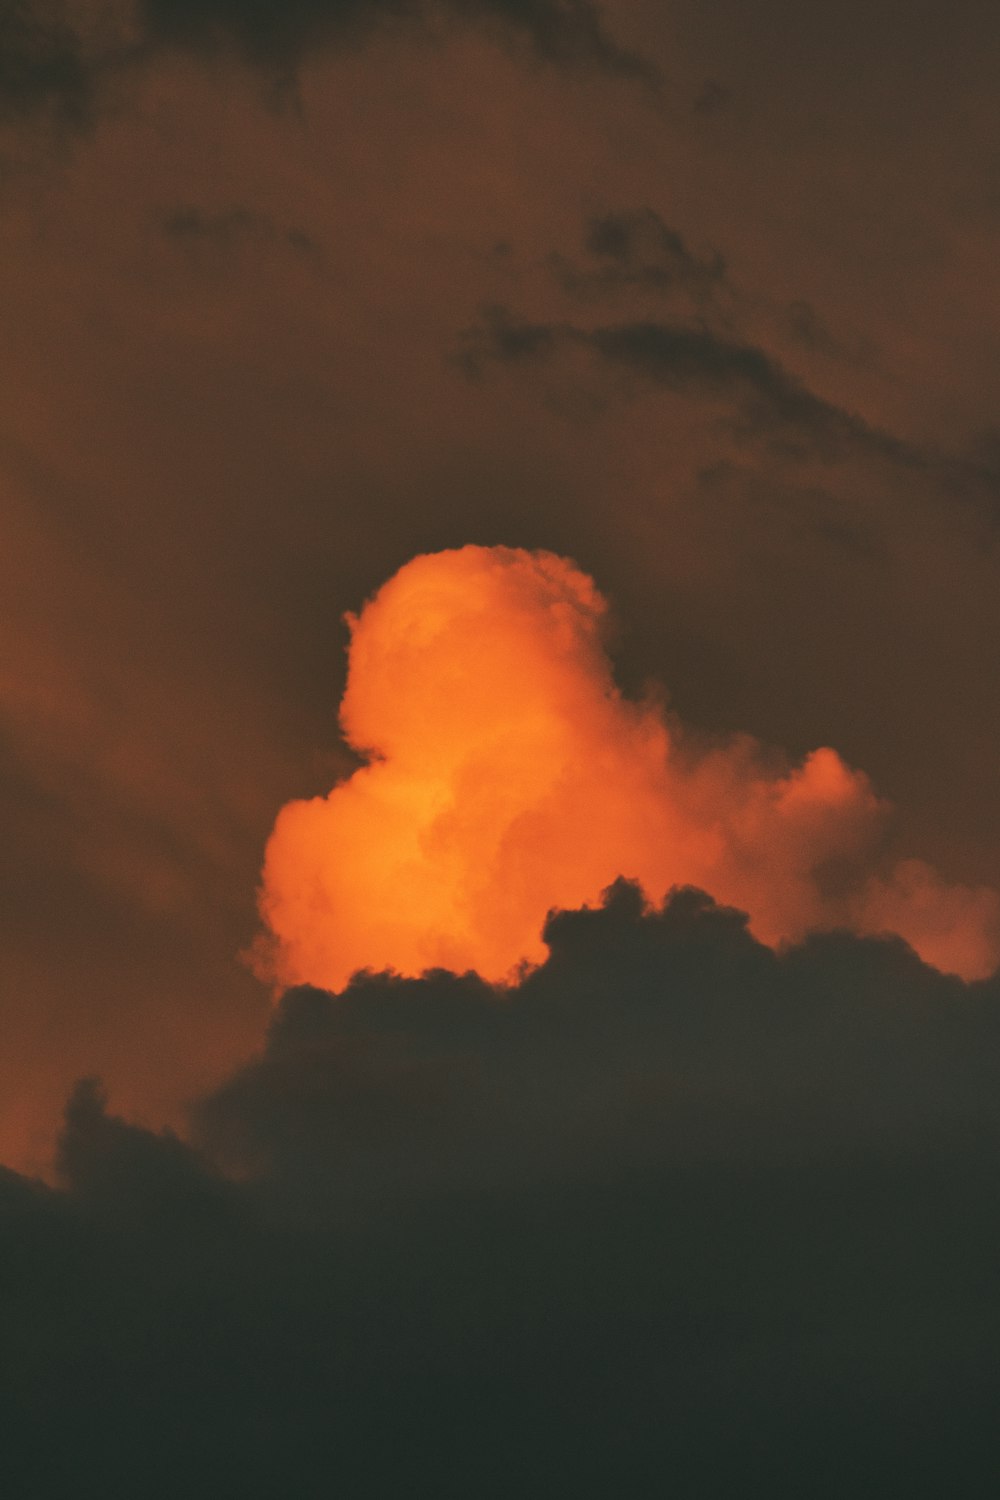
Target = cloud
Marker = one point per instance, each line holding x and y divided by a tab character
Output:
229	227
637	251
737	1207
43	64
55	57
664	1036
693	360
687	328
274	31
801	322
764	404
505	774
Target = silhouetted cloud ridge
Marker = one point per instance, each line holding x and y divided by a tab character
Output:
672	1205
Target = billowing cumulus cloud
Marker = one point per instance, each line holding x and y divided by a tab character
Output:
505	774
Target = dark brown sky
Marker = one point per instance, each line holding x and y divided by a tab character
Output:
702	296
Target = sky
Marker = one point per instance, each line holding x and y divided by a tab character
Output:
456	457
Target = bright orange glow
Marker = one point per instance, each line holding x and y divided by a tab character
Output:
507	775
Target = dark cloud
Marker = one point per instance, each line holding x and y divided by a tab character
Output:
674	1208
50	58
275	32
268	33
230	226
656	1038
688	333
693	360
683	358
769	404
43	64
638	251
803	323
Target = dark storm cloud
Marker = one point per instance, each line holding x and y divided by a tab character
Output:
674	1208
644	1039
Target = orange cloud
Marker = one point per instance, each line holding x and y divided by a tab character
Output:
506	775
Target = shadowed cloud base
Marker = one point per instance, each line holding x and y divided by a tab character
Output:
674	1212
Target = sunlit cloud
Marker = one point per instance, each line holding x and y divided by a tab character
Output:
506	775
